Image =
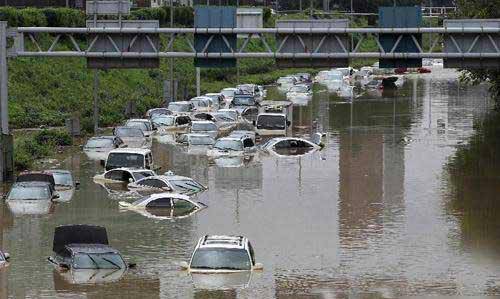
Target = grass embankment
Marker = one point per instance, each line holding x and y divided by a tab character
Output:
31	146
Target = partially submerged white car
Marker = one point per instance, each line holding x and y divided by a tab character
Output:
164	206
123	175
143	124
4	259
222	254
292	146
168	183
232	147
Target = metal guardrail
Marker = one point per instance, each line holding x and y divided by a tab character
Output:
169	35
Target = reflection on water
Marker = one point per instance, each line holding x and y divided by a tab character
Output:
390	207
474	188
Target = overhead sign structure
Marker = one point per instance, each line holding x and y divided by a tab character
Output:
120	7
213	43
313	43
466	43
123	43
400	17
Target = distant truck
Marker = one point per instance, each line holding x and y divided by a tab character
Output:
274	118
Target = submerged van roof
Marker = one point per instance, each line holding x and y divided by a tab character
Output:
141	151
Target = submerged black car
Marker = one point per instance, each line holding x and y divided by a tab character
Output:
83	247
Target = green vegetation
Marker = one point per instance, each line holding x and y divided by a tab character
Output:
479	9
31	146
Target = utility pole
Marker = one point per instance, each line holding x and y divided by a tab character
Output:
172	86
4	80
96	101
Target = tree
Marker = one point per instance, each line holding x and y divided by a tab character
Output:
482	9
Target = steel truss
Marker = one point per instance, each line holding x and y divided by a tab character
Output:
85	48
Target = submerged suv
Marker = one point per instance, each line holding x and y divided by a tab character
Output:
222	254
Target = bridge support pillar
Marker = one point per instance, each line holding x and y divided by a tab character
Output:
6	140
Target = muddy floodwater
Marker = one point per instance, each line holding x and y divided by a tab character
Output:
403	201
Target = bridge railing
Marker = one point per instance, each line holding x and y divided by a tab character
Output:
441	42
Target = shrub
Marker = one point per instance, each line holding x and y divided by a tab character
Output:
31	17
54	137
11	15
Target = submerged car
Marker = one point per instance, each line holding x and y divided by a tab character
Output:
285	83
132	137
31	198
65	184
124	175
229	93
97	148
205	127
181	107
84	247
168	182
197	144
222	254
204	104
130	158
299	94
143	124
292	146
276	124
165	123
164	206
232	147
157	111
4	258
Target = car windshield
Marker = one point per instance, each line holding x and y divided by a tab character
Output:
140	125
232	145
100	143
186	185
129	132
179	107
298	88
221	258
271	122
199	102
336	76
130	160
29	193
98	261
243	101
285	80
230	114
228	92
63	179
139	175
163	121
201	140
203	127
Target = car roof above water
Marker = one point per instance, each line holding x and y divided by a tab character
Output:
223	241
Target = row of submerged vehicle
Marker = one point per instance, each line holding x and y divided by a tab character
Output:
227	124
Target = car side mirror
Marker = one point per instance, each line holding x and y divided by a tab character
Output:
102	163
132	265
56	196
258	267
7	256
254	123
77	185
130	180
184	265
288	123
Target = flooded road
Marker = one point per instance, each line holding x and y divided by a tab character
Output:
399	203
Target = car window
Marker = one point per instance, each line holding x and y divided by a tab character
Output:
139	175
63	179
99	143
29	193
118	175
164	202
182	207
221	258
153	183
248	142
132	160
252	254
98	261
